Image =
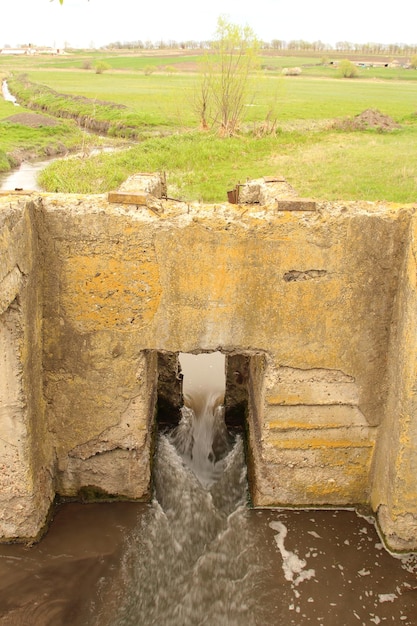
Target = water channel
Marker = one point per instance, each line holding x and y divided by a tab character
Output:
23	177
6	93
198	554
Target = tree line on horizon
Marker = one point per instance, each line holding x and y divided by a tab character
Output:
296	45
280	44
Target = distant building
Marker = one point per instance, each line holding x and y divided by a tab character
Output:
31	50
16	51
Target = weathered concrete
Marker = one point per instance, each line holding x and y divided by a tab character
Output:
394	492
26	487
314	301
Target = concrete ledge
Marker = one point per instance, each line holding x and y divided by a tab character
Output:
120	197
302	417
298	204
315	393
337	480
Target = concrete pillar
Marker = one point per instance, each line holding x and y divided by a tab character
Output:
394	487
26	483
110	456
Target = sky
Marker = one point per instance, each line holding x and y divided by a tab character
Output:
95	23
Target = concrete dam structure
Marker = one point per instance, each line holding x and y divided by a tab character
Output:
313	303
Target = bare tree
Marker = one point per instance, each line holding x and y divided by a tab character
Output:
224	77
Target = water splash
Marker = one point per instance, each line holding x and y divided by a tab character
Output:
191	561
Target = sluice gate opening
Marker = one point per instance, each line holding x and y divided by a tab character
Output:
210	389
181	374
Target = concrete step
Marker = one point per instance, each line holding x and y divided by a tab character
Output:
316	455
312	387
315	427
314	417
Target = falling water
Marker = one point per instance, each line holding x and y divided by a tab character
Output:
191	560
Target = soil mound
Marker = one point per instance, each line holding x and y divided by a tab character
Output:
368	119
34	120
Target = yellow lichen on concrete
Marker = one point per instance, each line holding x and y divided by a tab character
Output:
322	304
394	486
101	292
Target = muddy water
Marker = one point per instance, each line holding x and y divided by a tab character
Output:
23	177
67	579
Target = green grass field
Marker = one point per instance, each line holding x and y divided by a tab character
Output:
169	97
317	159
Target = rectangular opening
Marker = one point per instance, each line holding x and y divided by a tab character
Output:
236	377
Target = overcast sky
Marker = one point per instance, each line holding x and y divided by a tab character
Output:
83	23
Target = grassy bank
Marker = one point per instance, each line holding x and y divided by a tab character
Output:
158	109
102	105
318	160
25	136
167	100
21	141
329	165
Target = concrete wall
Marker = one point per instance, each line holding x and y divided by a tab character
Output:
26	488
394	487
315	299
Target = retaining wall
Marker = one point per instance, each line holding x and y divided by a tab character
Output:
317	299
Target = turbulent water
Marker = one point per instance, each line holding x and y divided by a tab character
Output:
191	561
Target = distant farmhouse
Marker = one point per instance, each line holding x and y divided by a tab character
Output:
31	50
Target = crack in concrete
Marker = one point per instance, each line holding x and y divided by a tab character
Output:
300	275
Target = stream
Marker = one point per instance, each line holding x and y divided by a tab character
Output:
6	93
23	177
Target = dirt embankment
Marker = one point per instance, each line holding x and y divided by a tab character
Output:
368	119
34	120
92	114
86	120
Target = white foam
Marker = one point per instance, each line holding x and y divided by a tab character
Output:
387	597
292	565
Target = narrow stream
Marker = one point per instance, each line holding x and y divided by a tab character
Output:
23	177
6	93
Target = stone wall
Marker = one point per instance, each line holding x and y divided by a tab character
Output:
317	298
